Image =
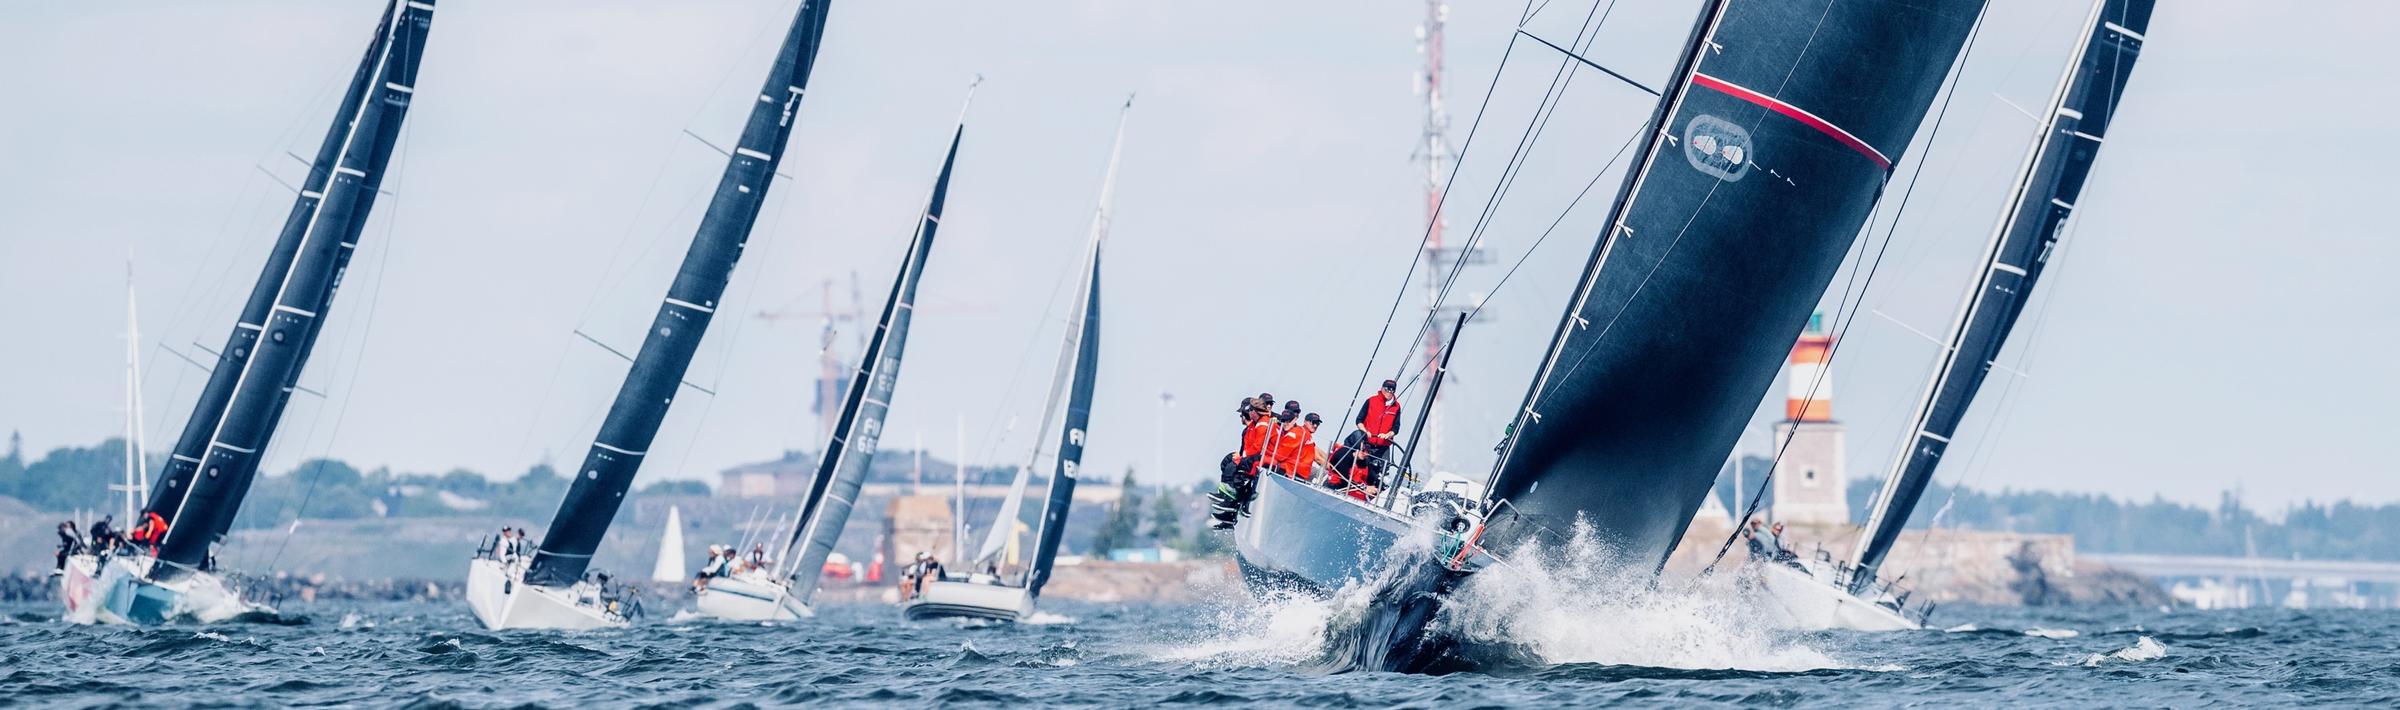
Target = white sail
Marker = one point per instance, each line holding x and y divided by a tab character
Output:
670	549
1005	524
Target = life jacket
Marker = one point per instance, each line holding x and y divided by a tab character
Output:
151	529
1285	453
1255	438
1380	417
1306	460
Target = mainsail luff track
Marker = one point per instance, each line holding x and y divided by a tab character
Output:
692	299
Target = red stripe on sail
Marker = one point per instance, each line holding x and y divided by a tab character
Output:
1797	114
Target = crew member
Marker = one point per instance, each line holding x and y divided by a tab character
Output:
1238	476
1283	453
104	535
69	543
150	531
1379	419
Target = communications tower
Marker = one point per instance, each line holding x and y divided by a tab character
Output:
1434	155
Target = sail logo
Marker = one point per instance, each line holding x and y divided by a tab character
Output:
1717	147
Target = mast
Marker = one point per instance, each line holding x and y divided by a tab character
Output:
843	466
218	456
137	471
1771	145
674	334
2042	198
1078	371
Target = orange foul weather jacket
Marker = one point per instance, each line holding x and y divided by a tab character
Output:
1380	417
1286	453
1255	438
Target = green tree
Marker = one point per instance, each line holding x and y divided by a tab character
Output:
1124	522
1166	523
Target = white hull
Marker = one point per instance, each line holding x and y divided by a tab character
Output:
754	598
124	594
969	600
1810	601
501	601
79	586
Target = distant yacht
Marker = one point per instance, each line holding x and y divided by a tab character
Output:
783	590
987	594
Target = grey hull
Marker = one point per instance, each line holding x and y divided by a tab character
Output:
1305	538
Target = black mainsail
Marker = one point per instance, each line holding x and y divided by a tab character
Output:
217	457
1772	145
842	468
658	368
2044	196
1079	368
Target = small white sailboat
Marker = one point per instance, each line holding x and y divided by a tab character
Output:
670	549
1824	593
783	592
546	587
986	594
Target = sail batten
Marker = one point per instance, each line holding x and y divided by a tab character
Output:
217	457
2049	183
1765	157
674	336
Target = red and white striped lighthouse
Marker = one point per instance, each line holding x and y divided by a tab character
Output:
1810	398
1810	481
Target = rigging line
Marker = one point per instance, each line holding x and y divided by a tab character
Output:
1899	212
1432	222
1589	63
1554	96
1554	224
1547	107
341	415
1530	10
782	209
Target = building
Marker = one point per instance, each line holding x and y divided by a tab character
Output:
1810	482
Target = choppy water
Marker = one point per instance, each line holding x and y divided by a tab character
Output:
1122	656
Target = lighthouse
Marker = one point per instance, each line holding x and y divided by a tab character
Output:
1809	479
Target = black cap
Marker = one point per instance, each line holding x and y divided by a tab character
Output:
1292	406
1265	397
1391	384
1288	415
1314	419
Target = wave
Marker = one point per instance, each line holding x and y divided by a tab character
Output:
2144	649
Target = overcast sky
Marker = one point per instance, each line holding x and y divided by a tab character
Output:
2219	316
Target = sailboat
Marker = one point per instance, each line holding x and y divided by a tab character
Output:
217	457
1762	160
670	549
546	588
1849	594
983	595
783	592
81	574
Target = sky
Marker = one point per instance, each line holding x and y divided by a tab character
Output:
2218	318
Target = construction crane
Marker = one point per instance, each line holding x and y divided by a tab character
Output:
831	363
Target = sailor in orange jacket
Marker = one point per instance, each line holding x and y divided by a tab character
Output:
1302	465
1379	419
1283	456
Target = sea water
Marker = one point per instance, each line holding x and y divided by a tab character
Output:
1674	652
